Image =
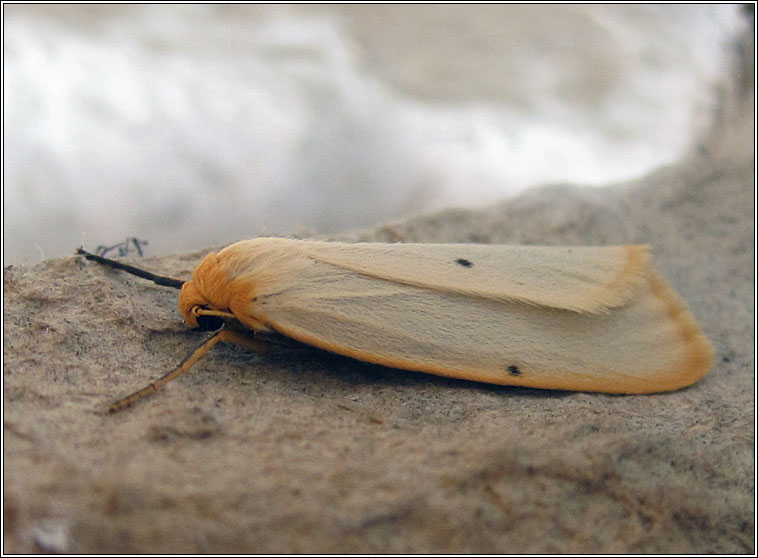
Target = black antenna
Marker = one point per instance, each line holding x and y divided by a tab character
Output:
157	279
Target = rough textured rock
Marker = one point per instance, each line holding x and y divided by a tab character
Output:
302	451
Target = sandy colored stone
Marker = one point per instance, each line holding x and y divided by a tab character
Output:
303	451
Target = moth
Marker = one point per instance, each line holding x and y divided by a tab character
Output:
583	318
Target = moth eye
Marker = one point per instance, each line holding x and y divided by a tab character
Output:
209	323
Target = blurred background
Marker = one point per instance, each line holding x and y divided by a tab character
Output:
198	125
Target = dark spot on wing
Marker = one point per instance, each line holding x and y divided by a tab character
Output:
514	370
464	262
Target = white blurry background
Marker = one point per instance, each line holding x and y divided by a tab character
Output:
197	125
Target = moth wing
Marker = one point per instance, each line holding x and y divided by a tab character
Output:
579	278
652	343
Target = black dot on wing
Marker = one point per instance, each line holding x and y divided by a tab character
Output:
513	370
464	262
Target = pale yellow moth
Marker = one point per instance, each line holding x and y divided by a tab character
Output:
579	318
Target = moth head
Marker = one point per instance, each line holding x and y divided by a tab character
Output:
191	300
206	292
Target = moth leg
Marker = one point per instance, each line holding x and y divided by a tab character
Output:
198	311
255	345
224	335
211	320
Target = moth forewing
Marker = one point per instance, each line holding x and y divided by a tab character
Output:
588	279
649	344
